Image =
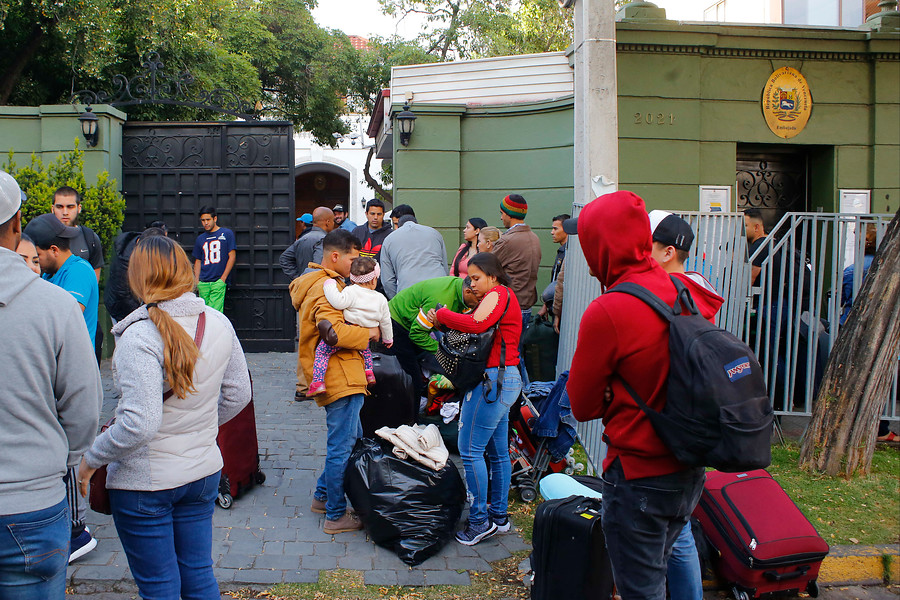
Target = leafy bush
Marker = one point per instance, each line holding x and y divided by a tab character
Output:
102	205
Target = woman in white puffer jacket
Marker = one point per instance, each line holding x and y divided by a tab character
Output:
164	464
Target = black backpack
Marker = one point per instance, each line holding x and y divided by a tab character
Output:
717	412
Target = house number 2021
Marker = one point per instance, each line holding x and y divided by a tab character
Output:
654	118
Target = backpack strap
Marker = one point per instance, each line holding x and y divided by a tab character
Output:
501	371
682	299
641	404
198	339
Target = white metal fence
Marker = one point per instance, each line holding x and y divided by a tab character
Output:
790	316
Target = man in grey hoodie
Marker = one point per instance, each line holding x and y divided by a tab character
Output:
49	409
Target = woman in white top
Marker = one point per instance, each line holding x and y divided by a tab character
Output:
164	464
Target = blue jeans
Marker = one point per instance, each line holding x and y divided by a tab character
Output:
484	424
641	519
683	571
344	428
167	537
34	553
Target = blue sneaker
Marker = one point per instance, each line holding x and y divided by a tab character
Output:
473	534
81	545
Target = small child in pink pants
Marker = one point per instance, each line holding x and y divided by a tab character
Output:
362	306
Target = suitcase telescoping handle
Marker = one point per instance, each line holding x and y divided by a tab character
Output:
776	576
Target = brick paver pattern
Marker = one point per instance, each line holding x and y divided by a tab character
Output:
269	535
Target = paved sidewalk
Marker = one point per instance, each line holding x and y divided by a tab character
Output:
269	535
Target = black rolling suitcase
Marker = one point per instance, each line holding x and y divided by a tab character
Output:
569	559
391	401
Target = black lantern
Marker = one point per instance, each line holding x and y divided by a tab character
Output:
406	121
89	126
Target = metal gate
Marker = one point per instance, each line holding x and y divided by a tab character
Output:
246	171
828	242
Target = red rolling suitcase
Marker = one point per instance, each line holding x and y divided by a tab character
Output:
240	454
765	544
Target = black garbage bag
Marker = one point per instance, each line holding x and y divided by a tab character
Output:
405	506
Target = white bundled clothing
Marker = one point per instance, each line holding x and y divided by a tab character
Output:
361	306
422	443
449	411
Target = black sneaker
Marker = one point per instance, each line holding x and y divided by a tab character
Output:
81	545
473	534
502	523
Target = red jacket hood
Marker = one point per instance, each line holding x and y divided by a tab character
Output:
614	232
706	298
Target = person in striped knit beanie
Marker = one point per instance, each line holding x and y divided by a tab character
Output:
519	251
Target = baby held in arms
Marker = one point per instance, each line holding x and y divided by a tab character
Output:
362	306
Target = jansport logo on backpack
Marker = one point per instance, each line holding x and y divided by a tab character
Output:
717	412
737	369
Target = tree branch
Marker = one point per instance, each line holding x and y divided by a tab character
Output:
373	183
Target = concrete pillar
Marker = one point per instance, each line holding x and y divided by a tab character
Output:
596	150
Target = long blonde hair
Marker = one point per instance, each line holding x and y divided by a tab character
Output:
159	270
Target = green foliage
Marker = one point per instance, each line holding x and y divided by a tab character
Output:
370	71
481	28
267	51
102	205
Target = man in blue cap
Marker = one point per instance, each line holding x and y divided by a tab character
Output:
306	219
295	260
297	257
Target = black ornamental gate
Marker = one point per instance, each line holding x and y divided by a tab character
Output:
246	171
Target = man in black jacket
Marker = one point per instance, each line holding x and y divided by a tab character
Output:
371	234
117	296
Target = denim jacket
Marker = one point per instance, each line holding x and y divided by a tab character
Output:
556	422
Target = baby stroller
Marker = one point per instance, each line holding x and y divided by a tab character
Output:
541	435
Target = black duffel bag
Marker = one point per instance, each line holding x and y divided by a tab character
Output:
406	507
463	356
391	402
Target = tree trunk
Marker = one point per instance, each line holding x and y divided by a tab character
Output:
10	78
856	384
373	183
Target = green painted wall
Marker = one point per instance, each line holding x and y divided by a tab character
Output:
699	86
689	95
460	163
49	130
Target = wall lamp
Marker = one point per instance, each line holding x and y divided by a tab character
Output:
406	121
90	125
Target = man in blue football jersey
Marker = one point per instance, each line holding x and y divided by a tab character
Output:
214	255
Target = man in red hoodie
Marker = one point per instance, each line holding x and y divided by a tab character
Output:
648	495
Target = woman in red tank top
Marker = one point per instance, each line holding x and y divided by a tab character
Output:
484	417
